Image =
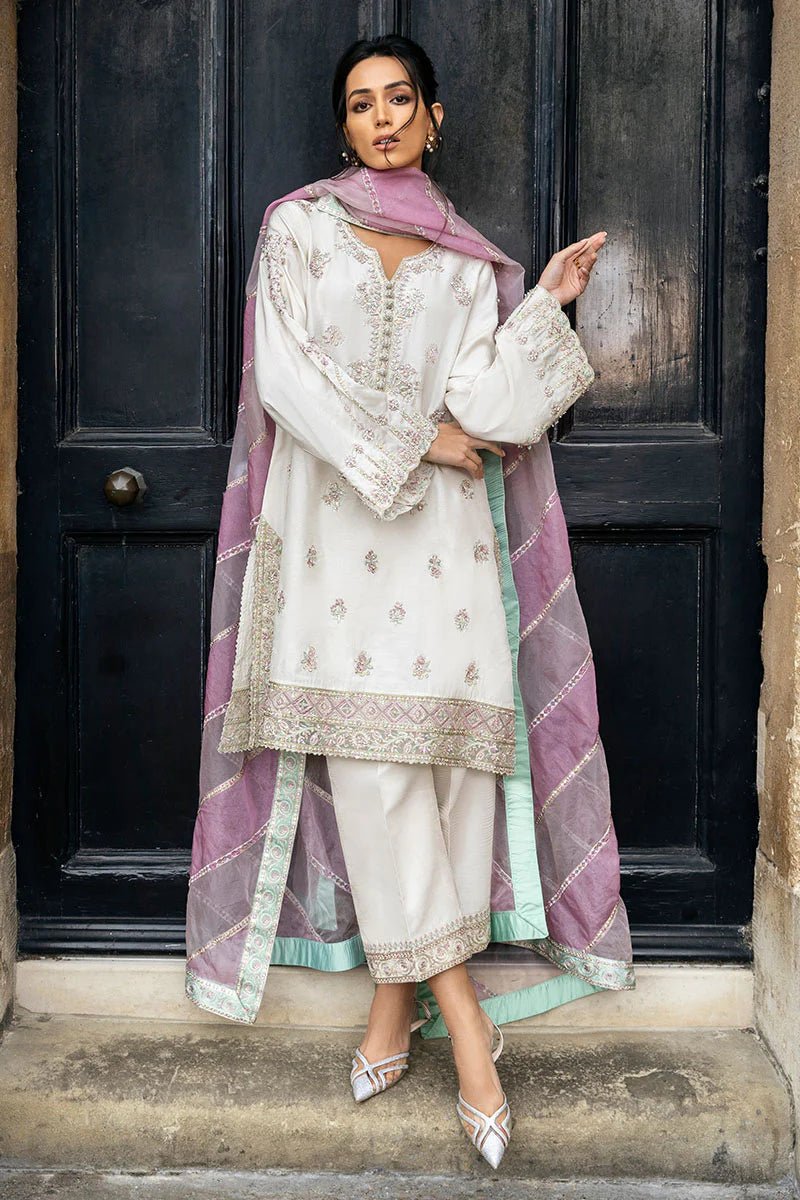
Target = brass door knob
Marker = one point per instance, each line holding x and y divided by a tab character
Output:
125	486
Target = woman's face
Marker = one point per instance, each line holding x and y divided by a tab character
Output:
379	99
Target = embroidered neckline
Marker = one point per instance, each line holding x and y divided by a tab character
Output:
373	250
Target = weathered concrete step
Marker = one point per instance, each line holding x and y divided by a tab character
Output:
89	1092
369	1185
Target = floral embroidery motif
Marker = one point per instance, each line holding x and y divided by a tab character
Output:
421	668
331	335
338	609
467	489
397	613
280	600
311	556
361	371
460	290
432	353
371	561
480	552
472	674
333	493
363	663
435	566
309	659
318	262
406	387
369	295
461	619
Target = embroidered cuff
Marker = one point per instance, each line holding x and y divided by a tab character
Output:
540	324
391	478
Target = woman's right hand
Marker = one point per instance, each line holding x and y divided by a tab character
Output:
452	447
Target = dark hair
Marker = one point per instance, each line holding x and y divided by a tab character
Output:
420	72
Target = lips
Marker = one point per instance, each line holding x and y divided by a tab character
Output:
392	141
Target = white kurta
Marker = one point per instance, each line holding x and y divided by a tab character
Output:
372	621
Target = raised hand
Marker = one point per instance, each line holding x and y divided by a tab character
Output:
567	273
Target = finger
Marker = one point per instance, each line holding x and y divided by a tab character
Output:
576	247
495	449
573	249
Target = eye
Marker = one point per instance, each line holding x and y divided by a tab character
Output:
360	105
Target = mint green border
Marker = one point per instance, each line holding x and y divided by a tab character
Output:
518	787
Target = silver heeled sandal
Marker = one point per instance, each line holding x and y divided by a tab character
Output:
489	1132
369	1078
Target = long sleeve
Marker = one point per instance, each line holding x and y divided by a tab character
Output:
510	384
369	435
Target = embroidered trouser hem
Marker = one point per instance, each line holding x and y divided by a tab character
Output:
417	841
412	961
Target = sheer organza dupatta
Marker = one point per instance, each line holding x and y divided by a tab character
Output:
268	884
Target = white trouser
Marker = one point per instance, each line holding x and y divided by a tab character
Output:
417	844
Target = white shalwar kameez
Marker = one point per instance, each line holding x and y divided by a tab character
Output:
372	613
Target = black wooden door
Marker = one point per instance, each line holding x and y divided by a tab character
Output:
153	134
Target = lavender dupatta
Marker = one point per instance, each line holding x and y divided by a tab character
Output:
268	882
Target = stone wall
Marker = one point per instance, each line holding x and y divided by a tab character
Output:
8	485
776	923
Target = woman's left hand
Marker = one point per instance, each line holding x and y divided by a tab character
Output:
567	273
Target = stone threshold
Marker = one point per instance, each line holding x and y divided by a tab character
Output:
667	996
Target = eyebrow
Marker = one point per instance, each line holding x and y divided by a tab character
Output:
386	86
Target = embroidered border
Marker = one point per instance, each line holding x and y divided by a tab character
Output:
385	726
613	973
245	703
417	959
241	1003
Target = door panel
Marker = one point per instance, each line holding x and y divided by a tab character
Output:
152	138
641	122
138	78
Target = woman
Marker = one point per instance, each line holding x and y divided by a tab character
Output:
366	790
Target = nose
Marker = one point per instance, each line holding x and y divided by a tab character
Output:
382	113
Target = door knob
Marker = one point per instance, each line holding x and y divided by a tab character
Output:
125	486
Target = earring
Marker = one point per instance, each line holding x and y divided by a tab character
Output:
431	142
351	157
